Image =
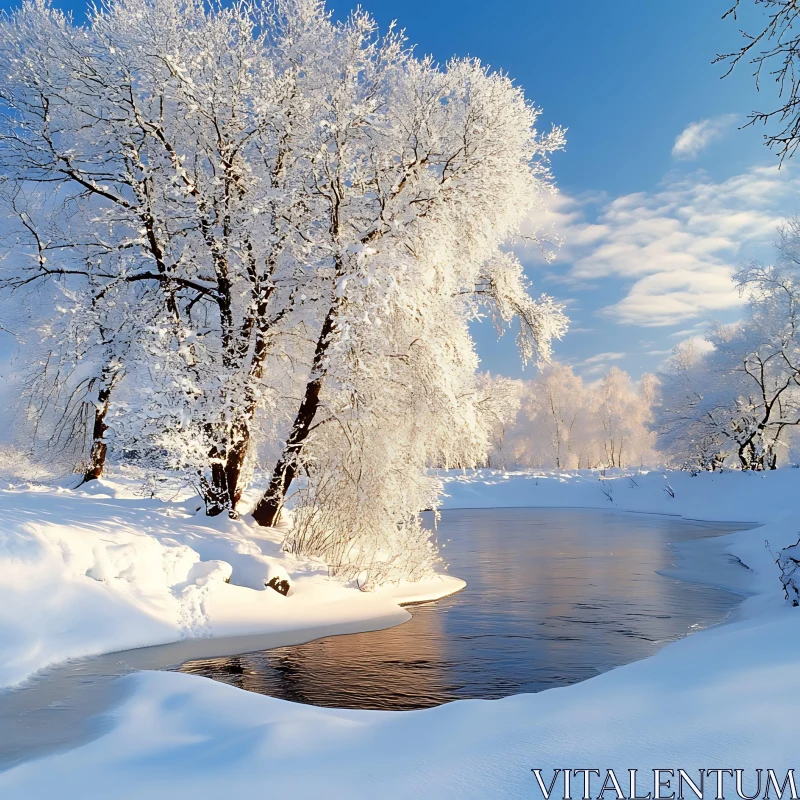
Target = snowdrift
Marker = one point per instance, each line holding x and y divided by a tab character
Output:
100	570
728	697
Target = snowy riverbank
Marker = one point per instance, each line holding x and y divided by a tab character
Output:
727	697
102	569
728	496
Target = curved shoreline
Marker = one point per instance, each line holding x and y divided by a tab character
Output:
93	680
103	693
408	603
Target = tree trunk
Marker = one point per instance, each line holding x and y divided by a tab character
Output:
224	490
743	460
747	456
267	512
97	456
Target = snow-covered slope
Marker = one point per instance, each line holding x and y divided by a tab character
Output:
723	698
728	697
729	496
102	569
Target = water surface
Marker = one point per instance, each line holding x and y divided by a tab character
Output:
554	596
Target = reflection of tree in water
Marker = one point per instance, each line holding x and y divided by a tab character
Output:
553	597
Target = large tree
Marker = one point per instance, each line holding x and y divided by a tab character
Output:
277	229
424	177
165	136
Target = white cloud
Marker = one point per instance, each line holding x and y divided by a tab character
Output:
697	136
696	331
598	364
594	372
671	253
563	221
603	357
667	297
700	345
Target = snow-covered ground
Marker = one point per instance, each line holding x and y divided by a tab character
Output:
728	496
102	569
725	698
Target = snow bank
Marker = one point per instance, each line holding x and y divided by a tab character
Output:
100	570
728	496
727	697
723	698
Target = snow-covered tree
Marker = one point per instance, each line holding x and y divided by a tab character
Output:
690	418
395	352
564	423
500	403
623	415
551	419
425	174
74	342
277	229
742	397
164	133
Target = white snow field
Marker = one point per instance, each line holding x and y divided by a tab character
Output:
100	569
725	698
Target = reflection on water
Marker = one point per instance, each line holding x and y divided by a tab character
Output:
553	597
73	703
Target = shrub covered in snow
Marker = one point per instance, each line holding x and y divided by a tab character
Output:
788	561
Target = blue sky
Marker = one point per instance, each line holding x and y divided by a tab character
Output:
651	236
652	231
